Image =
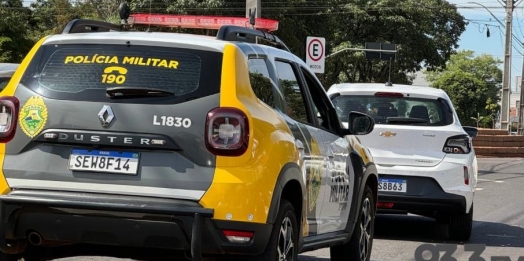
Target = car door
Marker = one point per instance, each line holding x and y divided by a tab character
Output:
301	120
264	78
340	178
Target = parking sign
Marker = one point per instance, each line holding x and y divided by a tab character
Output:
316	53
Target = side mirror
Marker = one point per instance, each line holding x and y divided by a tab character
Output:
359	124
471	131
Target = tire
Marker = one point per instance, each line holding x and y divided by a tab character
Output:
355	250
286	221
460	225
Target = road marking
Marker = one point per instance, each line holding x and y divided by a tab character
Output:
489	180
489	235
479	189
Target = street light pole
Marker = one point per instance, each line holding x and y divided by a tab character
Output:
506	77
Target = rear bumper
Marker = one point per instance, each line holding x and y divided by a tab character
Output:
423	194
68	217
443	181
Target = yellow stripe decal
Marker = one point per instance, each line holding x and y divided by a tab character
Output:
10	90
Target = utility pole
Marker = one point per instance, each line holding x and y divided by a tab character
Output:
256	5
521	105
504	115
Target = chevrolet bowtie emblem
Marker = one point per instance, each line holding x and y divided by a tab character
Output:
388	134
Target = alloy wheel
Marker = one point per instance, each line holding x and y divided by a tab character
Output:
365	230
286	247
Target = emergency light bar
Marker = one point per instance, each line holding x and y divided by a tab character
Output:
200	22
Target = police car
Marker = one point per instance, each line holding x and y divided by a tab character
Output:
424	156
206	145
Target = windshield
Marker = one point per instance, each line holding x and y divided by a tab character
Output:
395	110
84	72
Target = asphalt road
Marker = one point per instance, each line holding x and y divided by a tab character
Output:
498	222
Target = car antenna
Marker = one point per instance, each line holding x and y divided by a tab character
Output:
252	20
389	83
149	26
124	12
252	17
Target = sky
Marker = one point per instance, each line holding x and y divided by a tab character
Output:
475	38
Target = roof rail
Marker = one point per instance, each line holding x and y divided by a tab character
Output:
243	34
89	26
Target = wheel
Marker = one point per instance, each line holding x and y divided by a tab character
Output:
359	246
282	245
460	225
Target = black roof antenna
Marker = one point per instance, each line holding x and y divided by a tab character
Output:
252	17
389	83
124	12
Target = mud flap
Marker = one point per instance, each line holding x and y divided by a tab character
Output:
196	238
5	247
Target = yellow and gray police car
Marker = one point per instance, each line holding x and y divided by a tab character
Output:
214	146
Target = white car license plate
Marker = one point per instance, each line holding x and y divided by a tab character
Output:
392	185
104	161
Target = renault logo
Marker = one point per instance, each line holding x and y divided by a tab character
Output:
106	116
388	134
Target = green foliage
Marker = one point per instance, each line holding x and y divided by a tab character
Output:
14	28
50	16
472	83
426	32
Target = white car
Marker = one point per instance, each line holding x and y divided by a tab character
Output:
424	156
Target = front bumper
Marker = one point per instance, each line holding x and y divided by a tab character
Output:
130	221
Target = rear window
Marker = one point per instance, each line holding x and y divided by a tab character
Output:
396	110
84	72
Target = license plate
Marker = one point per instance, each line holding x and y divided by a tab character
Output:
104	161
392	185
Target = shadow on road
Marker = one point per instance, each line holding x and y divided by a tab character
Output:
416	228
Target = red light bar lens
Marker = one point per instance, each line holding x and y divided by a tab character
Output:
389	94
200	22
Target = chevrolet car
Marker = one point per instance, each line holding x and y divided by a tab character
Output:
424	156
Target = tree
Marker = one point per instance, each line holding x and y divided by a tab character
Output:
473	84
51	16
426	34
14	28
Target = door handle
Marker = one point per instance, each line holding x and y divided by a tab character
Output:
330	155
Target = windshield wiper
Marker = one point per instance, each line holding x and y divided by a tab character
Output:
405	120
136	92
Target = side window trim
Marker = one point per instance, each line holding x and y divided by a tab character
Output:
312	121
334	122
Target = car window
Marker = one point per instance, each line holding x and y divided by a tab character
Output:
295	102
263	87
395	110
84	72
320	107
3	82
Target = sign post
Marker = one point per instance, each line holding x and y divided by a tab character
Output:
316	53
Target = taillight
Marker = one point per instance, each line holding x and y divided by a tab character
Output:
238	236
9	107
466	175
227	132
457	145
